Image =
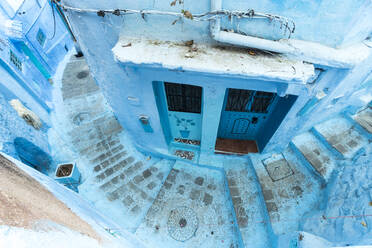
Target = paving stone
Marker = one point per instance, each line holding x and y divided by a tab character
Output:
135	209
199	181
143	195
194	194
97	168
101	176
109	172
172	177
117	148
167	185
271	207
268	195
113	196
106	186
237	201
138	165
297	191
207	199
160	175
211	186
105	164
231	181
137	179
151	185
115	180
181	189
128	201
146	173
234	191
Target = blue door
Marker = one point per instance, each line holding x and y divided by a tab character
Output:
244	113
184	110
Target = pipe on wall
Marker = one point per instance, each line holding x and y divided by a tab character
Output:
343	58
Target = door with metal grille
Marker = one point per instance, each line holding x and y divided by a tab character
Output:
184	105
244	113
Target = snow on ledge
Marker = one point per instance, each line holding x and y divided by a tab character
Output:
212	59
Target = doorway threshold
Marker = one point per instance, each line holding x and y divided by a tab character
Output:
235	146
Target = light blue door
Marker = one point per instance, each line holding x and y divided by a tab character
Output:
184	110
244	113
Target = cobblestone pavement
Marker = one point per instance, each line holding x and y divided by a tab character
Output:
202	191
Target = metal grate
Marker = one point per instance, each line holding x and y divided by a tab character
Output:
238	100
262	101
249	101
183	97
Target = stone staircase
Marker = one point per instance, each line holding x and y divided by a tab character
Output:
292	182
249	208
178	204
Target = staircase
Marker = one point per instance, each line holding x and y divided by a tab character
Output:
247	203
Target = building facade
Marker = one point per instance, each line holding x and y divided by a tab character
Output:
197	79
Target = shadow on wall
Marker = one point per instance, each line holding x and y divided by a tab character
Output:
32	155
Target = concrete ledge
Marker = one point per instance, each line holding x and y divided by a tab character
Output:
213	59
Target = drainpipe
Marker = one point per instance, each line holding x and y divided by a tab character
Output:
343	58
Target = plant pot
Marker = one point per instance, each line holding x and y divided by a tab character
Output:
67	173
185	133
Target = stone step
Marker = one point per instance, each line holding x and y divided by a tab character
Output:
318	157
249	208
196	198
117	171
112	167
288	188
111	152
92	133
341	135
92	107
101	143
135	192
364	119
100	147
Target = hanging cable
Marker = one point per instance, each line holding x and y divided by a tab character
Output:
206	16
54	20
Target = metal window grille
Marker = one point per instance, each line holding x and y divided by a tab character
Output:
249	101
183	97
15	60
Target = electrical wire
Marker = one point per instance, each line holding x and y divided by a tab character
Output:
54	20
288	24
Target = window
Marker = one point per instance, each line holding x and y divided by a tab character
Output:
15	61
40	37
183	97
249	101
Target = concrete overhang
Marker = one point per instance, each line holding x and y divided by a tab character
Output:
207	58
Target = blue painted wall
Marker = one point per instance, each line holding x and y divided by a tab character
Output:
26	68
